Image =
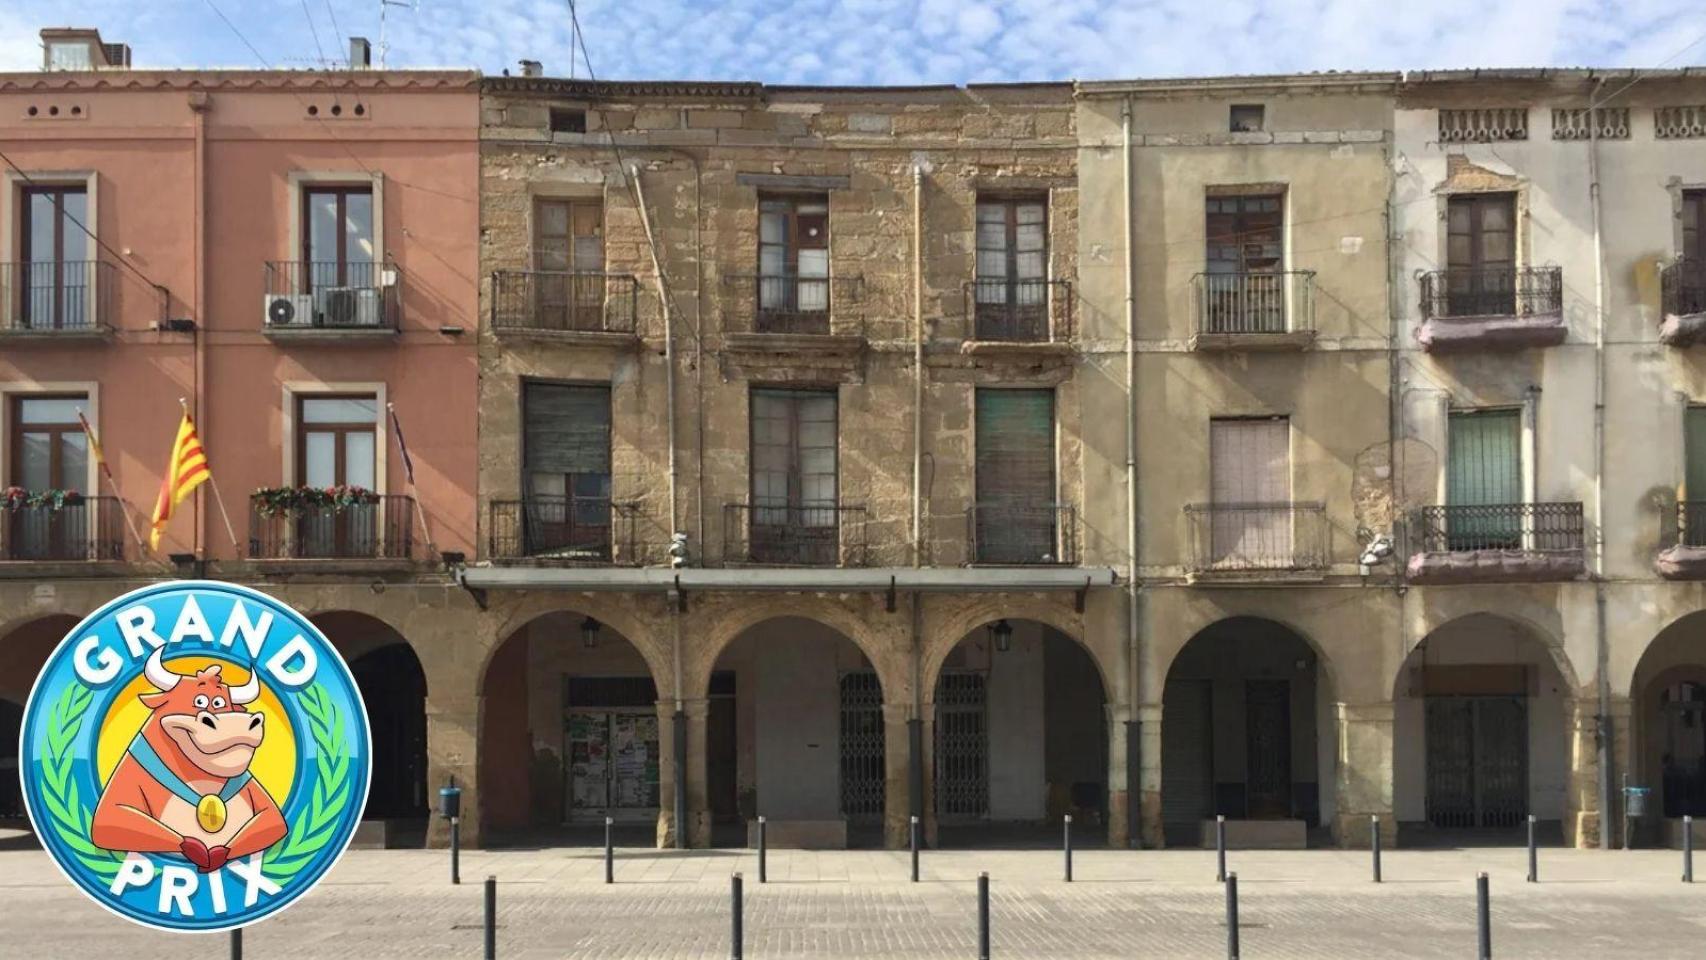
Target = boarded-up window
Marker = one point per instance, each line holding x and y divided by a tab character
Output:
1250	486
1016	512
1483	479
566	458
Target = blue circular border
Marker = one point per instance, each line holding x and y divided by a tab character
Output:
302	882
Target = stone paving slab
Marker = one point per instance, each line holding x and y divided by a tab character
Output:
671	905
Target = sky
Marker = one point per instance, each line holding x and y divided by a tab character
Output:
888	41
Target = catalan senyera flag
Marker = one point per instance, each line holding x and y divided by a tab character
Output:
184	472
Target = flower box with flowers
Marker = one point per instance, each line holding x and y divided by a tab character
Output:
296	501
19	498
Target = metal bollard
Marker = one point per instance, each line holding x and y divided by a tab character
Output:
736	937
1533	855
491	917
455	850
1220	848
1687	849
1374	843
763	876
983	916
914	832
1232	916
1067	838
237	944
1483	917
609	852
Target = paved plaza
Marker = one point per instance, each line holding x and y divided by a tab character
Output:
552	903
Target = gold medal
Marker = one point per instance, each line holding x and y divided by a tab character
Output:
210	813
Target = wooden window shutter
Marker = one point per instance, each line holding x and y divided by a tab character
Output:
1015	447
566	428
1484	458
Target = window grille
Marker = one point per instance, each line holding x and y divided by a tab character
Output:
1572	123
1483	125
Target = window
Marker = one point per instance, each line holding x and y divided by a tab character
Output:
568	120
566	466
1244	289
336	446
1250	490
1694	225
1012	269
1481	254
337	242
1483	481
58	288
1014	519
1694	477
793	264
1247	117
49	452
794	476
69	55
568	252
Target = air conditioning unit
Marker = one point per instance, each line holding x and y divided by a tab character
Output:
350	307
288	310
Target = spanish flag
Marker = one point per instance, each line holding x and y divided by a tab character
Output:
186	471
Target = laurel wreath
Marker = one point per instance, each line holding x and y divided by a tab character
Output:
68	816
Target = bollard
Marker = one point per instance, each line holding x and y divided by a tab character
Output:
609	852
1374	843
491	917
914	839
1533	856
1232	916
1687	849
1483	917
762	875
455	850
735	935
1067	838
1220	848
983	916
237	944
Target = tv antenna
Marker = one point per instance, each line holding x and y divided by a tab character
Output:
384	5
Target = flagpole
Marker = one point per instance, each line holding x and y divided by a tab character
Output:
107	471
409	475
219	499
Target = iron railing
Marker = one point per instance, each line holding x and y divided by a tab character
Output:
1493	292
795	535
1252	537
1683	286
1691	523
788	303
1021	534
558	301
594	531
62	295
332	295
382	529
1022	311
80	529
1279	301
1523	527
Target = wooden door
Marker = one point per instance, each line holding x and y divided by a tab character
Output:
568	257
1267	744
1481	254
1483	484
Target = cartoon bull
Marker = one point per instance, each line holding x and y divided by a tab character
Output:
184	785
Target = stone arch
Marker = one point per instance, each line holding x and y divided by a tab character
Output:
391	675
1328	667
1550	640
735	616
945	630
25	645
1667	724
614	610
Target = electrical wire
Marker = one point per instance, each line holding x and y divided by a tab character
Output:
315	33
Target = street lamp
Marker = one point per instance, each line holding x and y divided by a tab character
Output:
589	633
1001	634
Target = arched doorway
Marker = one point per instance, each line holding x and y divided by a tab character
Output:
1480	735
1020	738
1243	709
1668	728
23	651
393	688
569	735
795	733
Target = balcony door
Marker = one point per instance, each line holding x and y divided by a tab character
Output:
568	253
50	451
57	288
1693	514
566	463
1481	254
1245	285
1483	480
337	447
337	244
793	264
794	518
1014	519
1011	290
1250	492
1694	226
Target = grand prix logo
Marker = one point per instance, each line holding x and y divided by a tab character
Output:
196	756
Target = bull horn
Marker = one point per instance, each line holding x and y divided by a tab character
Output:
157	673
250	689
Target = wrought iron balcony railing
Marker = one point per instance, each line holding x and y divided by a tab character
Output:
381	529
554	301
589	531
789	303
1518	527
1021	534
1493	292
1271	302
1019	311
794	535
1691	523
80	529
352	295
1683	287
61	296
1256	537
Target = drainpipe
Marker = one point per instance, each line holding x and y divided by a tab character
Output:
199	105
1603	731
1133	724
915	723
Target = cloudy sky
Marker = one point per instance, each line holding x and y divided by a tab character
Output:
893	41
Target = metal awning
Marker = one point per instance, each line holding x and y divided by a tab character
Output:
827	580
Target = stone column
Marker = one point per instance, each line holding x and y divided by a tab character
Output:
1362	773
928	820
666	775
1581	798
1149	722
1118	798
698	784
452	732
897	805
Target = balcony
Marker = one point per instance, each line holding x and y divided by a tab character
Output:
1257	542
1010	534
359	529
1019	311
1682	285
61	300
331	300
1270	310
1494	543
1686	559
588	308
71	530
1492	309
804	535
563	531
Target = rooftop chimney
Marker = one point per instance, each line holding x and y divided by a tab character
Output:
532	68
360	53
